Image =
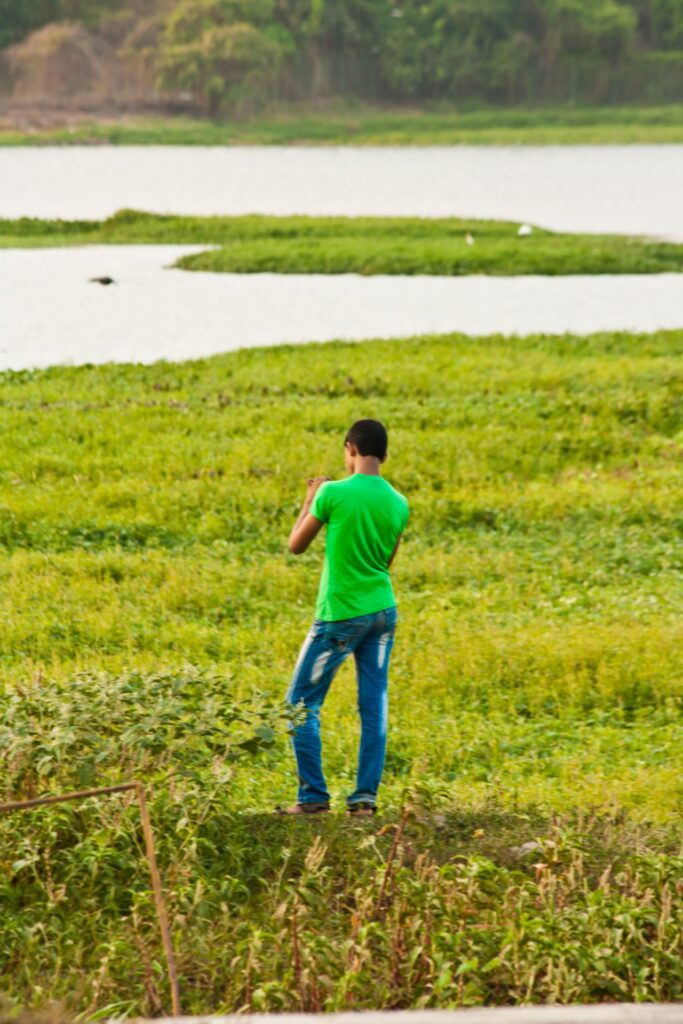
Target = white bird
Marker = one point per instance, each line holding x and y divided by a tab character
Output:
469	239
524	230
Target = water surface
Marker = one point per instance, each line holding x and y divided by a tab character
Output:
50	313
622	189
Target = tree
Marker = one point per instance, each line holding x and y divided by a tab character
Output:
217	50
585	27
667	24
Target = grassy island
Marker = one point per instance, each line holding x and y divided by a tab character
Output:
359	245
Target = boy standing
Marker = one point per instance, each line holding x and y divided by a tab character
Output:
355	613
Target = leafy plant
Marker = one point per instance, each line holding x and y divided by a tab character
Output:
98	730
211	50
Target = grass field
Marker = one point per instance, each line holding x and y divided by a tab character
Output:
151	618
361	245
366	125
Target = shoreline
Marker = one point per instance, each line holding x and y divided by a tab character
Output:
349	125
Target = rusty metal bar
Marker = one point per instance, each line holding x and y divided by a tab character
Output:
157	889
159	899
25	805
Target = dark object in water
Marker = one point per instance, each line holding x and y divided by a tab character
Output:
102	280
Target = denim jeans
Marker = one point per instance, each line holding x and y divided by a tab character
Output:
370	639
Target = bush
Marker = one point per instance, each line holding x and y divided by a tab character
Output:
209	50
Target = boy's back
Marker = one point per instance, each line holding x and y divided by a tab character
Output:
365	517
355	614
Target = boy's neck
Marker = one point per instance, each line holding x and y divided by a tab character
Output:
368	465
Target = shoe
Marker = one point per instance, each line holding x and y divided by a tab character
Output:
304	809
361	809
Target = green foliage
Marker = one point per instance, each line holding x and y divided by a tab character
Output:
444	252
193	17
232	53
98	730
151	618
354	125
210	49
661	23
362	245
446	47
286	916
499	50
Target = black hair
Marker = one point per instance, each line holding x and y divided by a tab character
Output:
369	437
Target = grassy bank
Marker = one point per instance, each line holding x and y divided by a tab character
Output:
361	245
536	689
370	126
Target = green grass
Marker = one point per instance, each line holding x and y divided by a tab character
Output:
365	125
360	245
536	690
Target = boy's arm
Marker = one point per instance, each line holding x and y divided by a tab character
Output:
307	527
394	552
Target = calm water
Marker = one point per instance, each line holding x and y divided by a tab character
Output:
49	313
636	189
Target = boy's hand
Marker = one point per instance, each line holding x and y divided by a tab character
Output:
306	526
313	484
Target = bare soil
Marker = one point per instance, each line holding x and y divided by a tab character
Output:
17	116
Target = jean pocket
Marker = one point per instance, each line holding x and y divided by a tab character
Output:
391	618
343	636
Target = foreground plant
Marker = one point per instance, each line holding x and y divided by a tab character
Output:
438	910
98	729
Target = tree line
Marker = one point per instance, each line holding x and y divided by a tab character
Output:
231	53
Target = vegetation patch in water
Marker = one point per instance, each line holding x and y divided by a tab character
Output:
359	245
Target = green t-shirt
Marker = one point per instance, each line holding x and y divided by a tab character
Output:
365	516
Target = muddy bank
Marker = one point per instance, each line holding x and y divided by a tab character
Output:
34	116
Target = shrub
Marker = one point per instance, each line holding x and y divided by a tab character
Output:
210	50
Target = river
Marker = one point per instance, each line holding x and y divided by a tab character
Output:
51	313
620	189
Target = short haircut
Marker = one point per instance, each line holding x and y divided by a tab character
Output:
369	437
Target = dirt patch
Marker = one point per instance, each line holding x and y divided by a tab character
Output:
63	61
16	116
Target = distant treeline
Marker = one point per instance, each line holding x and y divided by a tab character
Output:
243	52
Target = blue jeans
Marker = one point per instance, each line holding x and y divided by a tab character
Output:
370	639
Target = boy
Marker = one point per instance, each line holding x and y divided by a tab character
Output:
355	613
